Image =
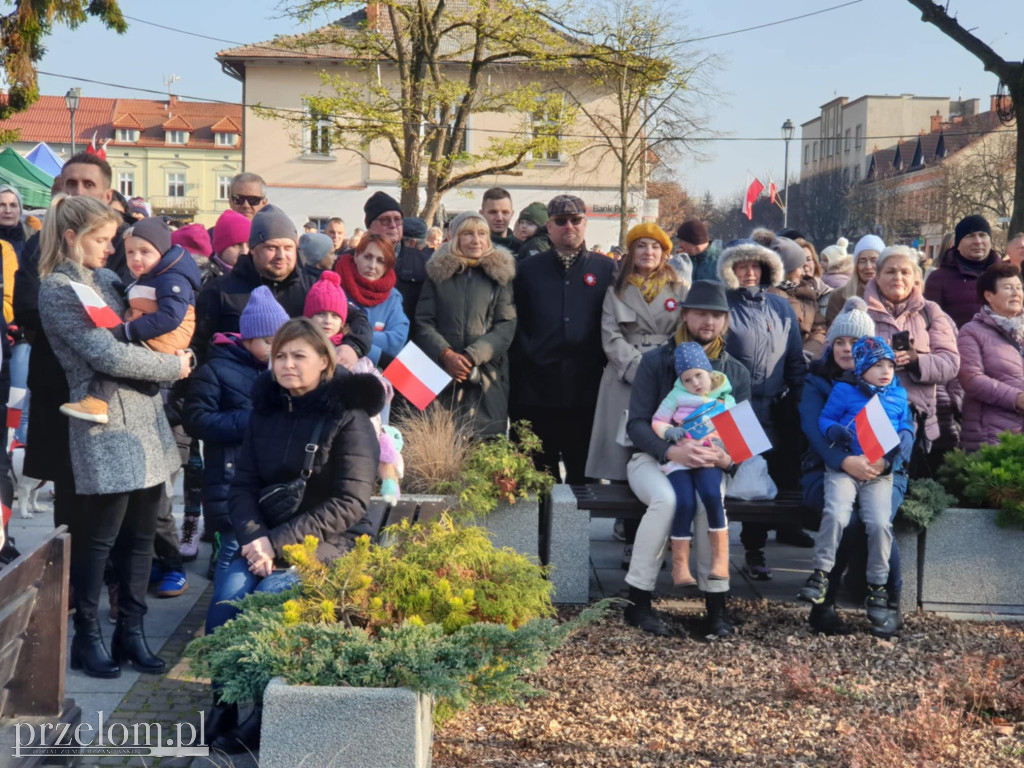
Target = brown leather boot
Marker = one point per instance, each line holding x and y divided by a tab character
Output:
719	554
681	576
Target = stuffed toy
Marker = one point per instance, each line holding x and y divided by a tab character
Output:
391	467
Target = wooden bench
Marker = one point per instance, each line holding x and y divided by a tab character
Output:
33	647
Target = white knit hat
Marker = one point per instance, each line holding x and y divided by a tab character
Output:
840	262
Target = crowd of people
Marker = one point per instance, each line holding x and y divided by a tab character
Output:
249	358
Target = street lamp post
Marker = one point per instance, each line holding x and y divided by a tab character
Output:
787	134
71	100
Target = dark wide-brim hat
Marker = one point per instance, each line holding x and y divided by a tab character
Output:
706	294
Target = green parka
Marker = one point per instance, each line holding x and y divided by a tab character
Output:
472	312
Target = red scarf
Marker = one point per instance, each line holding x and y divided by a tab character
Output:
365	293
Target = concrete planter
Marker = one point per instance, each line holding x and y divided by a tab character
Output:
909	542
321	726
970	565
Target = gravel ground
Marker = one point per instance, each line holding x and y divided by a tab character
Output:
944	694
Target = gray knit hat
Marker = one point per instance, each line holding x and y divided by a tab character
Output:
853	321
13	191
792	255
271	223
314	247
154	231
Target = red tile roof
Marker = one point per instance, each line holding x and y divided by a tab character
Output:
49	120
225	125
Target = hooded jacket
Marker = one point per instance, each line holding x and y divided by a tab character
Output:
992	375
217	410
848	398
955	288
338	493
166	299
472	312
764	334
933	336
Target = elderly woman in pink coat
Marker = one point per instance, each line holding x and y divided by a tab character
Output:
930	357
992	359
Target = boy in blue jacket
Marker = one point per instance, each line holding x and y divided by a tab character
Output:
874	374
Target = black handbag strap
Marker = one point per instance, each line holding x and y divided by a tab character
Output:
311	448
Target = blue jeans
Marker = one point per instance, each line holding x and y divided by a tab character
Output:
19	378
233	581
875	510
705	482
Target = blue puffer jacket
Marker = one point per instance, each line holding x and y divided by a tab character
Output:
217	412
848	398
390	328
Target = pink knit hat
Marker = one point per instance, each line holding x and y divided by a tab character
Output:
326	295
193	238
231	228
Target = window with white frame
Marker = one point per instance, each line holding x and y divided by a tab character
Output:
126	184
807	154
815	151
318	133
857	136
225	139
176	137
224	187
846	141
547	125
176	184
127	135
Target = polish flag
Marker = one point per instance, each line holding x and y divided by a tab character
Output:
741	432
772	192
416	376
753	192
97	309
875	432
15	405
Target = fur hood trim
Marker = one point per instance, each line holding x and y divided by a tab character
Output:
763	236
771	264
331	399
500	265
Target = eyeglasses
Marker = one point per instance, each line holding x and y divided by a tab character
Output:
388	221
252	200
562	221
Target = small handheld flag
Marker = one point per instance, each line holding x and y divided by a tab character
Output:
741	432
416	376
95	307
875	432
15	405
753	192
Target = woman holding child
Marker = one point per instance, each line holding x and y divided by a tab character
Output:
465	321
121	466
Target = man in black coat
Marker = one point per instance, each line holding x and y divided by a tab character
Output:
557	356
272	261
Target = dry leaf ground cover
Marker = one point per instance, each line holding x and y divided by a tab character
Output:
944	694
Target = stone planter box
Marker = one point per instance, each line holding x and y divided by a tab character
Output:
321	726
510	525
910	546
971	565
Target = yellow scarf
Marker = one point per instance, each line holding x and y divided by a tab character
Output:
712	350
649	288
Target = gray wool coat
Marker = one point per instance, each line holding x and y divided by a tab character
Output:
136	449
629	328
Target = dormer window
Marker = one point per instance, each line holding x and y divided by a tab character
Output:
225	139
127	135
176	137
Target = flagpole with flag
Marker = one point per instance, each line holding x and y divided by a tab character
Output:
754	191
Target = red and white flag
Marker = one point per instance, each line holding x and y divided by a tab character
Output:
875	432
772	192
753	192
741	432
15	405
95	307
416	376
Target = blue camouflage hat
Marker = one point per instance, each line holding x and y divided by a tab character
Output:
690	355
868	351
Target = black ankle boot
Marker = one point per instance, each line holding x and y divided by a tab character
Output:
220	719
243	738
641	615
826	620
129	644
717	622
89	654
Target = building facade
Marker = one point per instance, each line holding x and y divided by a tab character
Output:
179	155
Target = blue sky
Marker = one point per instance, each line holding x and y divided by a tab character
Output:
765	76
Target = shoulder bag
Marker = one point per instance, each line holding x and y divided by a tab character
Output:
279	502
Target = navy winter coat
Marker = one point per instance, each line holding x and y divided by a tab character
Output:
338	494
172	285
217	411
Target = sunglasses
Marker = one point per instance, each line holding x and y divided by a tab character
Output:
562	221
387	221
252	200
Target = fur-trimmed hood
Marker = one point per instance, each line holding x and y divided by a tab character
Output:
771	264
331	399
499	265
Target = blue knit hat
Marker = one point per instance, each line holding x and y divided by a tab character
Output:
868	351
690	355
262	315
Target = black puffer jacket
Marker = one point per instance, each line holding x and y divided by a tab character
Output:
338	494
